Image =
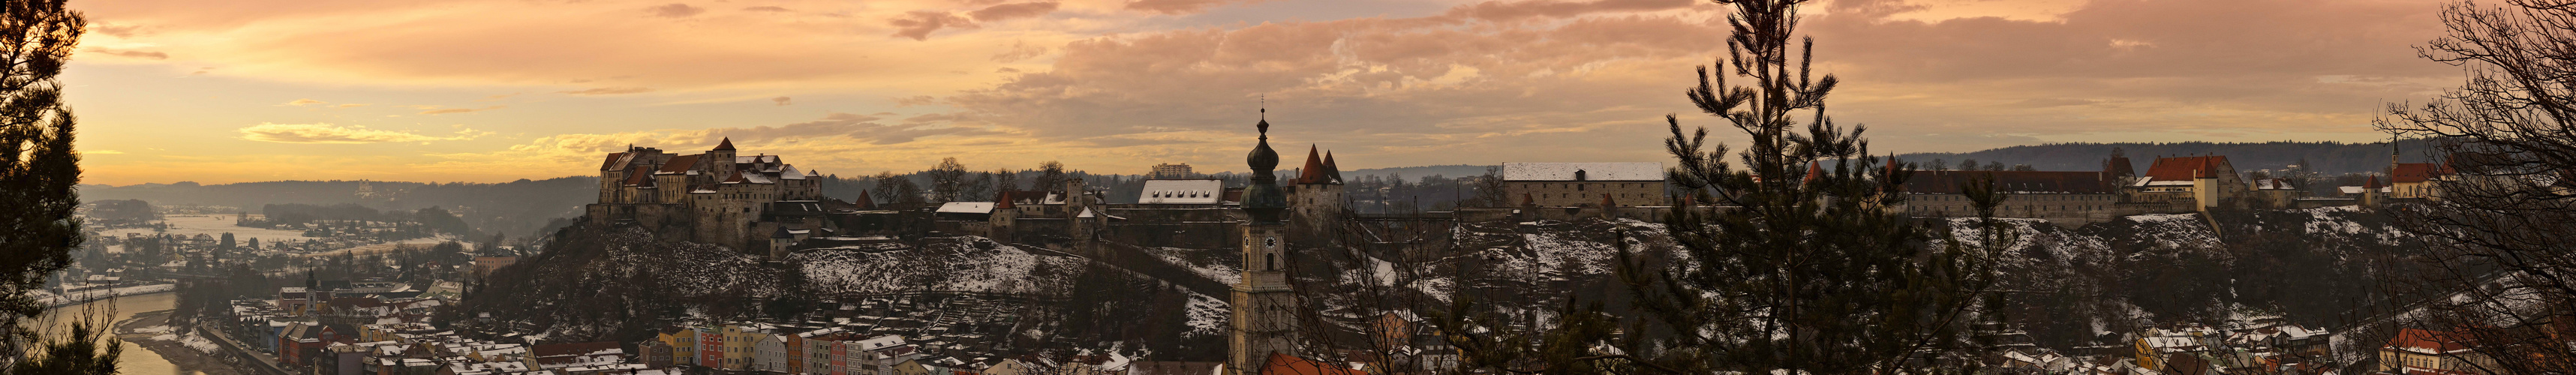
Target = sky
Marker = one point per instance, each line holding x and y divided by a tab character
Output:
500	90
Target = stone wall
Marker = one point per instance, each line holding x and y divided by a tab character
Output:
1585	193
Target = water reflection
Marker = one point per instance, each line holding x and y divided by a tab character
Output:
136	360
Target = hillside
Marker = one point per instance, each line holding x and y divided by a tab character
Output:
2330	158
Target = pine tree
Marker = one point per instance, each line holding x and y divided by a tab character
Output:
1807	270
39	173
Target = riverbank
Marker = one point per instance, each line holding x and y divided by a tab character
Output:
182	347
87	296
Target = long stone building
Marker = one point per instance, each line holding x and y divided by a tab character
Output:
717	197
1584	184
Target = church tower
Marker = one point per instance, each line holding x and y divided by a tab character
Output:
1265	320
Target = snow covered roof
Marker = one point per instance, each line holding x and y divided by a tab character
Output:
1182	192
966	208
791	174
2273	184
2357	189
1583	171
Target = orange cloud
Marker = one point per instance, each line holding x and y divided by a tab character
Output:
335	134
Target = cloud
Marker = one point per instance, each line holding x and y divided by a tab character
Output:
302	102
335	134
834	137
608	91
350	105
102	152
1177	6
1513	10
920	23
674	10
1012	10
120	30
782	100
442	111
155	55
765	9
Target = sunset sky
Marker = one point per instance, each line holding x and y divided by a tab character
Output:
498	90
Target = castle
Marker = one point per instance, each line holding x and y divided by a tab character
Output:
717	197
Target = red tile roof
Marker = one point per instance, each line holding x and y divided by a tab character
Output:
611	164
680	164
1284	364
1313	172
2415	172
1002	200
2429	341
640	175
726	146
2185	168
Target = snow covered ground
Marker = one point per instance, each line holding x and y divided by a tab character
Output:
970	264
1223	272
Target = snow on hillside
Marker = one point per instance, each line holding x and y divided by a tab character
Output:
1208	315
1200	262
966	264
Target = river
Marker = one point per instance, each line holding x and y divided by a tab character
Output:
136	360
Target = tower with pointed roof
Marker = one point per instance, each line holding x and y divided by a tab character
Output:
1317	197
1264	320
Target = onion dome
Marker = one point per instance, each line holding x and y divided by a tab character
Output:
1262	198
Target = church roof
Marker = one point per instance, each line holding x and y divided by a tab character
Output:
2415	172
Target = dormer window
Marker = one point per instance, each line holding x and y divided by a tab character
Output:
1578	175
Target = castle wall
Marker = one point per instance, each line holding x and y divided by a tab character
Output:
1585	193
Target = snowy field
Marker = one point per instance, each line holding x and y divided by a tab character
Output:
213	226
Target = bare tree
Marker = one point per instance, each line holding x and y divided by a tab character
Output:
947	180
2496	272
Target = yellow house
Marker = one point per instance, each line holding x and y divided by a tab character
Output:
738	346
2154	350
683	342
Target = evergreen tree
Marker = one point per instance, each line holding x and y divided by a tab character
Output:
1811	272
39	174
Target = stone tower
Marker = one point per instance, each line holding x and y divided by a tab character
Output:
1264	320
1317	198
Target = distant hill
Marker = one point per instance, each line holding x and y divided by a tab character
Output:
517	208
2330	158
